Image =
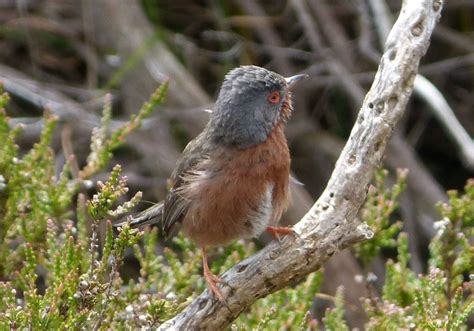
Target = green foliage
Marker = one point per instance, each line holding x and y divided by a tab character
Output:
102	203
60	261
57	273
334	318
442	299
103	145
452	249
378	209
400	281
130	63
287	310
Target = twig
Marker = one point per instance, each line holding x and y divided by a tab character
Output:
366	35
447	65
30	41
331	223
455	39
381	16
445	114
334	32
334	65
89	37
68	150
267	34
41	96
127	29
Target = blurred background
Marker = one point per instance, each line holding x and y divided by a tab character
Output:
66	55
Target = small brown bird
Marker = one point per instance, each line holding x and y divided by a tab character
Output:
231	181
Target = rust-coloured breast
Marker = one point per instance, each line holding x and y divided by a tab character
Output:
231	185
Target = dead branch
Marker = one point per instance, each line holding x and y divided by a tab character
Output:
267	34
432	96
42	96
356	93
331	223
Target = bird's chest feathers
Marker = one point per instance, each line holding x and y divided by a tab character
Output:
269	159
239	192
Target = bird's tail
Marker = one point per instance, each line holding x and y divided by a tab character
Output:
152	215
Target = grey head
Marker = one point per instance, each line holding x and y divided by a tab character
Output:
251	102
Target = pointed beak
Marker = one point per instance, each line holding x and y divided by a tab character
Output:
293	80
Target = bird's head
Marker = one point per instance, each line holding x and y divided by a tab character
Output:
251	102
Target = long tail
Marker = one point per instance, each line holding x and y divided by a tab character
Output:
152	215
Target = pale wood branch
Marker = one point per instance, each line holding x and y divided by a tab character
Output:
331	224
430	94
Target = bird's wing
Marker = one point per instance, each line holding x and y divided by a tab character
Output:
172	210
175	208
176	204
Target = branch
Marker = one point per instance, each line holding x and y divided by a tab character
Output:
445	114
344	78
430	94
267	34
41	96
331	224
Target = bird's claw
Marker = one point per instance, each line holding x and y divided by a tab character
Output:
279	231
211	281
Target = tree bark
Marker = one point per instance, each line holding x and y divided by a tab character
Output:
331	224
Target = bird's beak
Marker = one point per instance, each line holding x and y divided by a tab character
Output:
293	80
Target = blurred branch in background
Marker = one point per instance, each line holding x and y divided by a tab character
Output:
426	90
355	91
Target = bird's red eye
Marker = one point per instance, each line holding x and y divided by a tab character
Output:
274	97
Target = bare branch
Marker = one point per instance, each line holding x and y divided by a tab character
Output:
432	96
267	34
333	30
445	114
331	223
42	96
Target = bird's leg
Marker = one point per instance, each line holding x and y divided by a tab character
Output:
278	231
210	278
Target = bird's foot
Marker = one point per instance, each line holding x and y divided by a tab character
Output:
212	281
278	231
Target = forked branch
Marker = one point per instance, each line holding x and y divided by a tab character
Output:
331	224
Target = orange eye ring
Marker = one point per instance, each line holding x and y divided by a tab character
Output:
274	97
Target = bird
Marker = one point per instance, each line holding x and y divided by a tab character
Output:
231	181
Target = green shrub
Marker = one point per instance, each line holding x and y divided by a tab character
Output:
60	262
